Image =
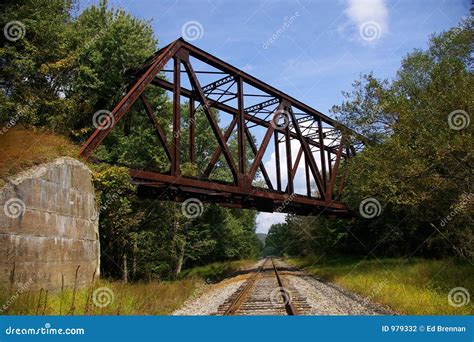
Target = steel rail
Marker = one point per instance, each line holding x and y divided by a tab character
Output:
290	310
244	293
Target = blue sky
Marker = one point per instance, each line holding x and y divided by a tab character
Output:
312	50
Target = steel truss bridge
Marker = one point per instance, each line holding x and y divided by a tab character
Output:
304	144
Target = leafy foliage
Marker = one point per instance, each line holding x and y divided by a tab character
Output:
420	170
67	67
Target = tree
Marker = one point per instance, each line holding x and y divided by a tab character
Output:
117	218
419	168
426	168
366	109
103	44
67	67
31	90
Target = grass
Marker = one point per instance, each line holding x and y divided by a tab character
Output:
141	298
22	148
217	271
414	286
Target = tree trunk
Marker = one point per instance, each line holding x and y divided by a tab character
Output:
124	268
179	244
134	264
179	264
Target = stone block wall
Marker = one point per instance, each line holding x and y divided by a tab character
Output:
49	227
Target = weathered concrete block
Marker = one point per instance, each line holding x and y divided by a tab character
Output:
49	227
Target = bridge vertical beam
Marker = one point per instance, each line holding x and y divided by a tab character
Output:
332	182
192	130
277	160
240	132
344	175
308	182
322	154
289	162
329	164
175	163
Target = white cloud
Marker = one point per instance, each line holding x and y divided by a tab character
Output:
370	18
360	11
247	67
266	220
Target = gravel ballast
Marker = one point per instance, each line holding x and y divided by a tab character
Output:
330	299
321	297
208	302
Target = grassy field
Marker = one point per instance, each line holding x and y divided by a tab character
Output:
22	148
216	271
414	287
150	298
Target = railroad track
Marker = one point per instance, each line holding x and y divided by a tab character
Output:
265	292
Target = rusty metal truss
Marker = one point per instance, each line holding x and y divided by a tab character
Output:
284	124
